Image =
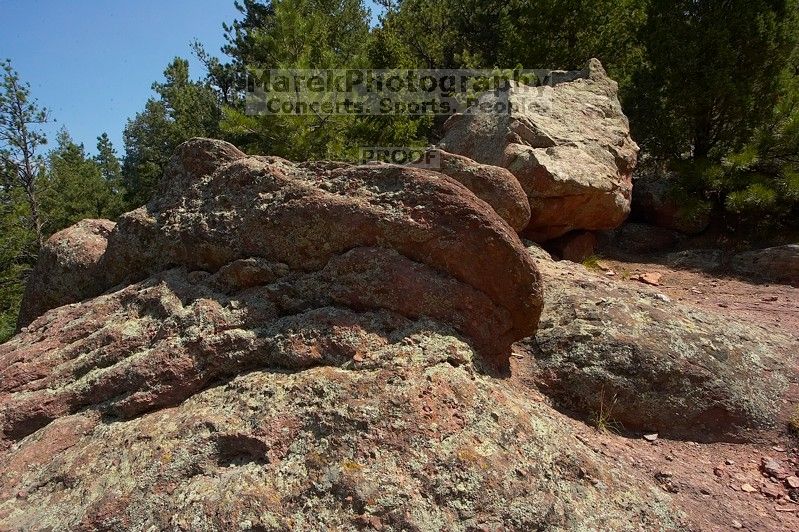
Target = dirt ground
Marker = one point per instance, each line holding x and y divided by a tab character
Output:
719	486
772	306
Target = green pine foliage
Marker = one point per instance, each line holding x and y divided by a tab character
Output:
298	34
74	187
183	109
18	249
21	214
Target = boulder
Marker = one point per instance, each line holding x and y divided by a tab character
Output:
568	144
216	206
658	200
272	346
492	184
697	259
67	269
780	263
647	363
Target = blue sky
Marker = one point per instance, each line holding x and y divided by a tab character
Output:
92	62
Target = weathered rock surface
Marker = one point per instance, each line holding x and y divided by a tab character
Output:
271	346
780	263
69	262
657	200
284	346
575	246
494	185
390	426
568	145
651	364
413	231
697	259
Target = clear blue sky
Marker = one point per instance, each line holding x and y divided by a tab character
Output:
92	62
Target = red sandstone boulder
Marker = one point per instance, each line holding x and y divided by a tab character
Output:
492	184
67	269
216	206
167	405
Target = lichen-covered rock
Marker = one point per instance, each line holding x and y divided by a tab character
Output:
271	346
67	269
183	409
427	234
653	364
697	259
492	184
780	263
568	144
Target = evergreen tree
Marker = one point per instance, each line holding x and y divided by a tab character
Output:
20	140
298	34
107	159
18	249
75	188
183	109
711	76
21	217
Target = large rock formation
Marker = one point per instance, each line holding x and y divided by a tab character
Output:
568	144
364	237
390	426
271	346
652	364
203	282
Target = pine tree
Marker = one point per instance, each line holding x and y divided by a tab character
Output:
711	76
76	188
299	34
20	140
183	109
22	220
107	159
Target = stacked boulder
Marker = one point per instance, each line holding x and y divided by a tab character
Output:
568	144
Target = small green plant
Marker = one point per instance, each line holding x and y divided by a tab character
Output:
592	262
793	421
602	418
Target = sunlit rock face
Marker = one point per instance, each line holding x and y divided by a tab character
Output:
568	143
